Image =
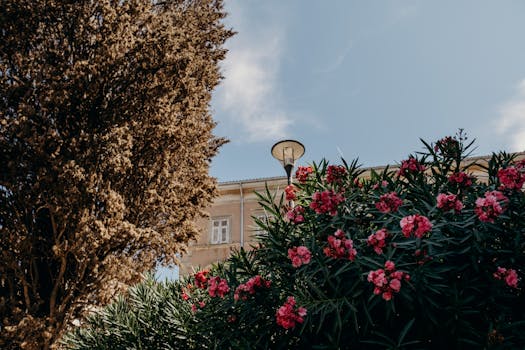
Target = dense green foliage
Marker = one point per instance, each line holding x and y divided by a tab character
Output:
458	273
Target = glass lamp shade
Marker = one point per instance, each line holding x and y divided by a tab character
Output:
287	152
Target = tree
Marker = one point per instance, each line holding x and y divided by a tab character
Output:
426	256
106	138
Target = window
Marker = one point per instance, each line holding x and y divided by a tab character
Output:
220	230
264	218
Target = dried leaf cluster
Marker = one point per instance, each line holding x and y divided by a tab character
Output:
105	143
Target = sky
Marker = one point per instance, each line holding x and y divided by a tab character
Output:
367	80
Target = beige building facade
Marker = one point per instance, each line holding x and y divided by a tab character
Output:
231	223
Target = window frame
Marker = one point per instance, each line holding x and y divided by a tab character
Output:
263	216
220	220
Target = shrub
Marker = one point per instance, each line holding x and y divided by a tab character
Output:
429	256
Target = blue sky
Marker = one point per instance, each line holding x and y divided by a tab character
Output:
367	79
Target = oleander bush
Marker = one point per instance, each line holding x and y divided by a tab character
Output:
429	255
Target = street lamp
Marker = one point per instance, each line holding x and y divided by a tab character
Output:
287	152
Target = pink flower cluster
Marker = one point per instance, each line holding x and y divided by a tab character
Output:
290	192
299	256
378	240
302	173
511	178
218	287
289	315
389	203
493	205
387	281
326	202
510	276
449	202
340	247
520	165
245	289
410	166
417	225
460	178
448	146
201	279
296	215
194	306
335	173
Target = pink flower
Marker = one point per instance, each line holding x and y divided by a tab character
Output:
390	266
218	287
295	215
185	296
509	275
410	166
511	178
387	281
378	240
389	203
395	285
501	271
301	311
449	202
290	192
493	205
302	173
335	173
460	178
377	277
512	278
194	306
244	290
299	255
326	202
340	247
288	315
201	279
417	225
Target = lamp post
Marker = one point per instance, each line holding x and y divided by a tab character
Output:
287	152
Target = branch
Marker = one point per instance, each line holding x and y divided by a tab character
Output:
52	301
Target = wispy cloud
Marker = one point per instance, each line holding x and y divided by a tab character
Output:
249	95
511	120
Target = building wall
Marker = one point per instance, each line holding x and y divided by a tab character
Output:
236	200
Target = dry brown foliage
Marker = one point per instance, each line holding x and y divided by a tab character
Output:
105	143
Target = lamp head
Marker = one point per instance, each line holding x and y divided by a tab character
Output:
287	152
